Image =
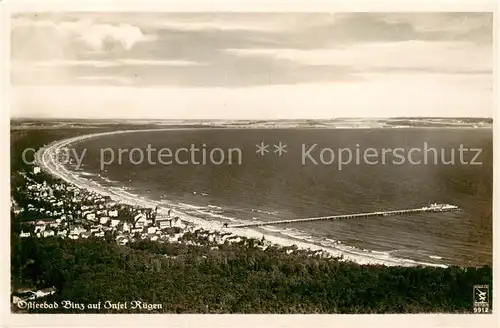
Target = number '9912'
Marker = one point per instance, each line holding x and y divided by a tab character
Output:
481	310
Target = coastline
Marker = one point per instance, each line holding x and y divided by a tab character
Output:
46	159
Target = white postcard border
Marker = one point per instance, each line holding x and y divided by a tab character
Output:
172	320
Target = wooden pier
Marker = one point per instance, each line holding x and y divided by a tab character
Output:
432	208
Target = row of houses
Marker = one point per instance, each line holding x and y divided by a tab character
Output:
27	294
77	213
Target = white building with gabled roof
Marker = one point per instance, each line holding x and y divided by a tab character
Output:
48	233
40	226
177	222
163	223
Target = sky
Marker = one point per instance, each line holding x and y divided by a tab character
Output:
251	65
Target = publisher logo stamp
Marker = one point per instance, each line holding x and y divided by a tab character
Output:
481	299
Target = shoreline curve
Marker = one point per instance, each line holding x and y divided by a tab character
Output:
45	158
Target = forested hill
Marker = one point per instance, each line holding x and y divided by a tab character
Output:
233	279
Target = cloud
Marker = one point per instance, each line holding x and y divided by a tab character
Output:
139	62
264	23
61	71
233	25
97	35
377	95
454	57
457	23
17	64
107	79
65	63
308	64
94	36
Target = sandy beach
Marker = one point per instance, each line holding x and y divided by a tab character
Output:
46	158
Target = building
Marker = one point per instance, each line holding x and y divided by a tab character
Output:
177	222
39	226
76	229
45	292
163	223
121	240
140	220
49	233
135	230
23	294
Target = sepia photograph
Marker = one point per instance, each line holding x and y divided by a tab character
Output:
251	162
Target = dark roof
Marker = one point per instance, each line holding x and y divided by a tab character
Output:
23	290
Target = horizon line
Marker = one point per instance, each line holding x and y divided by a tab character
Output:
245	119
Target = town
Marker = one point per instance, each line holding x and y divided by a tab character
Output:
49	208
58	209
68	212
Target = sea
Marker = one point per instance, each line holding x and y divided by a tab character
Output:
261	175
